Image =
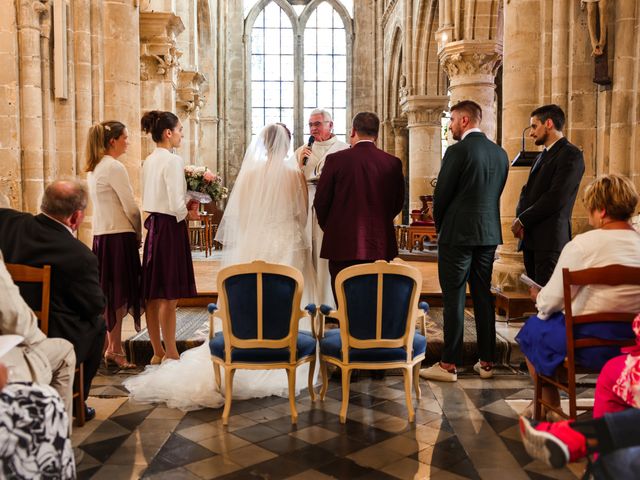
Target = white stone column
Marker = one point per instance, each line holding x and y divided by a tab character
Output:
31	128
471	66
188	103
401	142
424	121
10	158
122	78
520	97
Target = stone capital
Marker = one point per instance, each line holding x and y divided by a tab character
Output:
399	125
158	53
423	109
35	14
189	98
471	61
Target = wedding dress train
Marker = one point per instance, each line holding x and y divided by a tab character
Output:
264	219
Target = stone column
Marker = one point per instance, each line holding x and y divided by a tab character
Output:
389	144
83	81
401	150
471	66
30	81
188	103
10	158
122	78
401	142
424	121
159	64
520	98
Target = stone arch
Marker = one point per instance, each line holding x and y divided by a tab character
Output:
394	74
428	78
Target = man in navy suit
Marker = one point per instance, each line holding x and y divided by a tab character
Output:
543	214
360	192
77	300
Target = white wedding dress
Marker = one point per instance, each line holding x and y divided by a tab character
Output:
264	219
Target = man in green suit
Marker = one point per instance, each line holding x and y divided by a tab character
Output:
466	209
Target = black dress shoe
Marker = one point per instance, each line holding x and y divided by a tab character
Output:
89	413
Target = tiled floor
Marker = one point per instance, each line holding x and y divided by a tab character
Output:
463	430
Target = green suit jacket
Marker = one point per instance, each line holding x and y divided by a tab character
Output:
466	204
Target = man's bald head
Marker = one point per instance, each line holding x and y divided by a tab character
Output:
63	198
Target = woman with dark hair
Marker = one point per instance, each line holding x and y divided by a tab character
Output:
167	268
264	219
117	231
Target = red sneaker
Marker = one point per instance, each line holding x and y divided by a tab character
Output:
553	443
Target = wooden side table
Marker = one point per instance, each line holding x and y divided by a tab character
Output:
418	232
514	304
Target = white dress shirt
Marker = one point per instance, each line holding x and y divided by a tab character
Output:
114	207
164	187
596	248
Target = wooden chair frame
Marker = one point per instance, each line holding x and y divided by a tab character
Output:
230	341
28	274
410	366
612	275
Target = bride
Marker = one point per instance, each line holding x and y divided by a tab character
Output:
264	219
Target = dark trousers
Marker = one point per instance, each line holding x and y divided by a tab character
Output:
458	265
539	264
91	359
336	266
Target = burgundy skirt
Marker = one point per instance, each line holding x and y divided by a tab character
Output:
167	268
120	275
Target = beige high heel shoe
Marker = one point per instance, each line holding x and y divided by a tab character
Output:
119	360
156	360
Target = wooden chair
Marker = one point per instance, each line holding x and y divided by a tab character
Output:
377	315
259	304
27	274
565	377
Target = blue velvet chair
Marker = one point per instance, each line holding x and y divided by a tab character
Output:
259	305
377	315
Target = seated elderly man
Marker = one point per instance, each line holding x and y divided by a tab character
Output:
48	361
77	301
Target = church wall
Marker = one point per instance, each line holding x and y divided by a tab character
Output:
10	156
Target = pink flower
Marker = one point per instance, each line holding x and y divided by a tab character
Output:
209	176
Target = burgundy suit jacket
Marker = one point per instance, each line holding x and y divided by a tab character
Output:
360	192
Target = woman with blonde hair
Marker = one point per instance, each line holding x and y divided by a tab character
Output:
611	201
117	232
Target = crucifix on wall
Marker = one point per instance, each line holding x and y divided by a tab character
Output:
597	17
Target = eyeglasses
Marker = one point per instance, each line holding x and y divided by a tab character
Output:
317	124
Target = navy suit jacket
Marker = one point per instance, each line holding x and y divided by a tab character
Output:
466	201
361	190
546	200
76	298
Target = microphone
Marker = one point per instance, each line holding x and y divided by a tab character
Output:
309	144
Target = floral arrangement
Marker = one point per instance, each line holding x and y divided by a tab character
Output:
206	185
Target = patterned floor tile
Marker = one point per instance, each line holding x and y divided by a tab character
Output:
249	455
256	433
213	467
463	430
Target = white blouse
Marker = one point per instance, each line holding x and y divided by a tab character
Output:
596	248
164	187
114	207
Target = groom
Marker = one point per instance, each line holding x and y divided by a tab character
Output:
360	192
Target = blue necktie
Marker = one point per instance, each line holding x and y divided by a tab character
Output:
538	161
